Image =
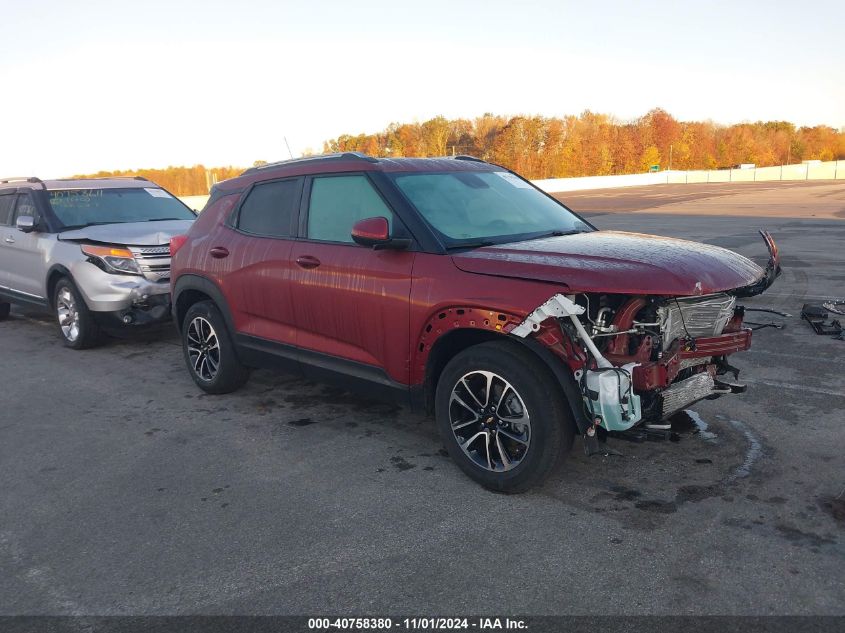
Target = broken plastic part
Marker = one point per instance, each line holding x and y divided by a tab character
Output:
556	307
837	306
608	390
609	394
771	273
817	316
559	306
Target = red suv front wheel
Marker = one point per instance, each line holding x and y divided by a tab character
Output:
502	417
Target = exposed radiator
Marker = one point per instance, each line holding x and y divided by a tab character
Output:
700	316
684	392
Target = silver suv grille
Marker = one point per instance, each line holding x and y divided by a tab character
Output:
702	316
154	261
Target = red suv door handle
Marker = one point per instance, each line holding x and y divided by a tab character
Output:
218	252
308	261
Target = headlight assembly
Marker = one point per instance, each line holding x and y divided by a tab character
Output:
112	259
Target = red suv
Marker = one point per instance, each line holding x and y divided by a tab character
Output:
458	287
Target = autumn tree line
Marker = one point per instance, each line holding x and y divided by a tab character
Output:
597	144
550	147
180	181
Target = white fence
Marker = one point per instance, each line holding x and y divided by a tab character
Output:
554	185
828	170
195	202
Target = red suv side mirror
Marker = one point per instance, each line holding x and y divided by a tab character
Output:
375	232
371	231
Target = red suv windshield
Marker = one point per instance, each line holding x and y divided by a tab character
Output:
495	207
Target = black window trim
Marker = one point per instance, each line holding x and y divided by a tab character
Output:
399	228
47	221
12	193
233	221
33	202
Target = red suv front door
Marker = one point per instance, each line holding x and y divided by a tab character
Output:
350	302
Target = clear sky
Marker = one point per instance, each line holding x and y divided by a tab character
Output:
90	85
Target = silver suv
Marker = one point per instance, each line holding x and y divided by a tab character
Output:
94	252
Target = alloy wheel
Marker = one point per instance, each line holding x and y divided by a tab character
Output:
68	315
490	421
203	348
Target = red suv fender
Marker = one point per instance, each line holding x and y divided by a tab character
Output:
481	324
449	320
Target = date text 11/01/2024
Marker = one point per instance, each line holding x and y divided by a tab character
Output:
430	624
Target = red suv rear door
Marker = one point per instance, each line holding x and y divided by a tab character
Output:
257	260
351	303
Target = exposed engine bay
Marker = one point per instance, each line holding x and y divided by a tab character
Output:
640	359
676	347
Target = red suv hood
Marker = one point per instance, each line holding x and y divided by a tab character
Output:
617	262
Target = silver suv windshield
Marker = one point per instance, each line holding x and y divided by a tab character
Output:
83	207
480	208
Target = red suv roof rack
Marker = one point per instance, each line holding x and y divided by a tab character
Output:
320	157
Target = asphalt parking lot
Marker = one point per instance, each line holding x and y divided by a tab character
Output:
125	490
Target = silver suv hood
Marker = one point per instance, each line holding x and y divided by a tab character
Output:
130	233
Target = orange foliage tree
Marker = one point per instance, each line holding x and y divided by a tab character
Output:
180	181
589	144
597	144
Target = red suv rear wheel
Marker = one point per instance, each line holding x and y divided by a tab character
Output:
209	352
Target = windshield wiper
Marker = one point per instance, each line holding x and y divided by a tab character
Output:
164	219
556	234
476	244
72	227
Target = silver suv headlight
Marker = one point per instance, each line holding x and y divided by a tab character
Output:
112	259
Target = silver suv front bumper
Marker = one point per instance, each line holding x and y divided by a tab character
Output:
105	292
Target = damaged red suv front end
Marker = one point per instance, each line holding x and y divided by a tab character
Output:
664	310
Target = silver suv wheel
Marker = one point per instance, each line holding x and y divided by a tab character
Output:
203	348
68	314
490	421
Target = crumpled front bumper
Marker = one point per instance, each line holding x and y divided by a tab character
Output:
688	373
659	374
131	298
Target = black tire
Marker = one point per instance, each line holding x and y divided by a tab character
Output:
220	371
551	430
5	308
68	303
